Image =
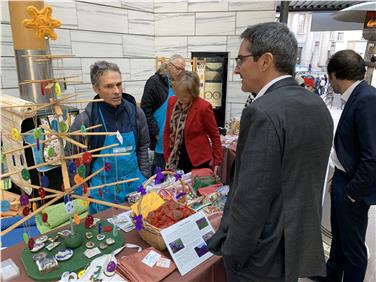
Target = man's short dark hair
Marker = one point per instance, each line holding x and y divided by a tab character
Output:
347	64
99	68
275	38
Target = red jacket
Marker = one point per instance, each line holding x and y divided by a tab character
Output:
199	127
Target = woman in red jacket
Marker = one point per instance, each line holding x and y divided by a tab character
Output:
191	136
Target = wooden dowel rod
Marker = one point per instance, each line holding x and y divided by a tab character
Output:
9	173
39	198
43	164
29	146
29	168
91	151
72	141
18	223
27	184
126	208
86	179
91	127
110	155
88	133
20	106
83	101
113	183
100	156
8	213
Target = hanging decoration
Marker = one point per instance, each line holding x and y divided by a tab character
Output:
44	181
5	205
41	192
24	200
63	126
87	158
72	168
57	89
76	218
15	134
81	170
42	22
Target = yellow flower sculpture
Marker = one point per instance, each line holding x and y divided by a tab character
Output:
42	22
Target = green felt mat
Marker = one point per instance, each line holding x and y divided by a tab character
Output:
77	262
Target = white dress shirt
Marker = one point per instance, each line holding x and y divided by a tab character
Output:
270	83
344	97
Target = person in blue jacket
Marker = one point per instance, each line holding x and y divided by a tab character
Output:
117	113
157	90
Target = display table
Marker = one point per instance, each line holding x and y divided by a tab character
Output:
227	167
210	270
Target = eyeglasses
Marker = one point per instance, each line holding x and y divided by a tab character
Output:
240	59
177	68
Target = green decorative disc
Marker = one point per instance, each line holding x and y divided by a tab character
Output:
25	174
83	128
51	152
63	126
37	134
81	171
26	238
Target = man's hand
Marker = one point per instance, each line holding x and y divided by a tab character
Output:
216	170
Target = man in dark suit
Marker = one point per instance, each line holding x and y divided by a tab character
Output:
354	156
271	230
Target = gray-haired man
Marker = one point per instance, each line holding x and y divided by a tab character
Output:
154	102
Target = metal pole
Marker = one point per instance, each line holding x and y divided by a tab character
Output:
284	11
25	44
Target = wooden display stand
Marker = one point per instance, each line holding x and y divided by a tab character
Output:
51	86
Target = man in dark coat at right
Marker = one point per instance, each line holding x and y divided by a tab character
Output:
354	156
271	226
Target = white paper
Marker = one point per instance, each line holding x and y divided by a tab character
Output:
119	137
123	221
151	258
164	262
186	241
89	253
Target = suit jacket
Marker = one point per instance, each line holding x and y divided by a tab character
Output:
199	127
272	219
355	143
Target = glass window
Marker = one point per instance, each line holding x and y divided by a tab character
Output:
301	24
299	56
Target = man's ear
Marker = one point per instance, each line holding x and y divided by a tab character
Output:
95	88
267	61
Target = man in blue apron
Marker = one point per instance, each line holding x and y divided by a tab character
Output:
154	103
118	113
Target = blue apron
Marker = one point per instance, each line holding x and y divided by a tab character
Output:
160	117
123	167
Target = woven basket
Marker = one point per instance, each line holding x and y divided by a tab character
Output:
149	233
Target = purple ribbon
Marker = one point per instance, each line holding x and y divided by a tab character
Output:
138	222
181	194
142	190
178	176
159	177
